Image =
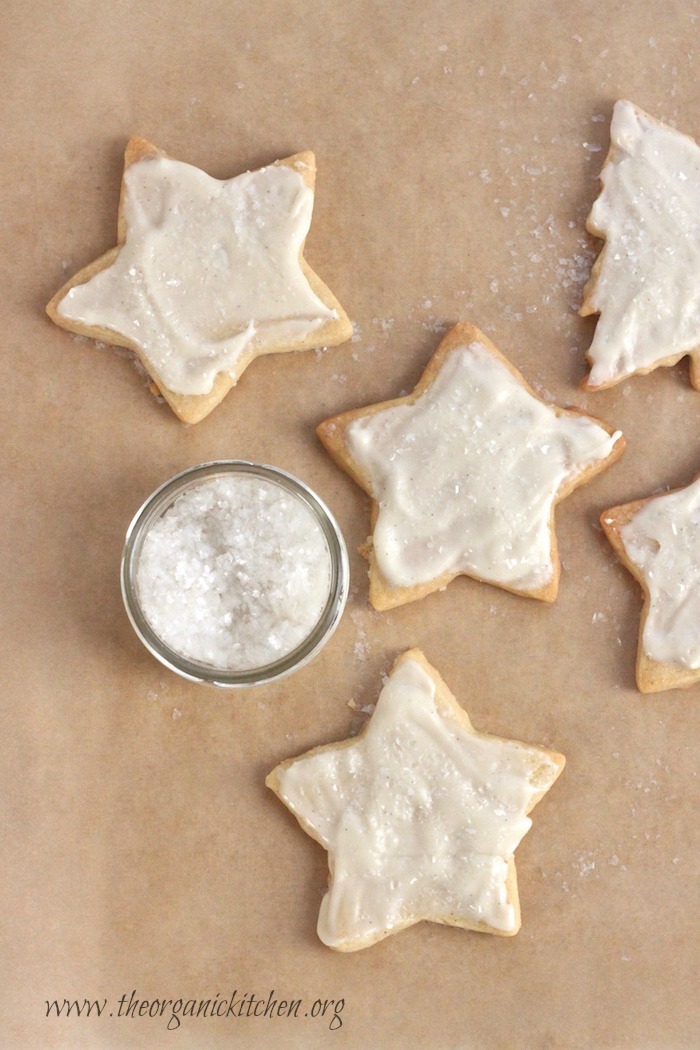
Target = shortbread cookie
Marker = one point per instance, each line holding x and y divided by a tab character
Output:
206	275
464	474
645	283
420	814
658	540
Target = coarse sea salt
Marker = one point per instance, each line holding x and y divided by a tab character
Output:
235	574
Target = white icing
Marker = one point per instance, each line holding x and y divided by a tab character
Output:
466	476
419	814
663	540
648	289
209	270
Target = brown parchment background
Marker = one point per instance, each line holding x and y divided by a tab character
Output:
458	147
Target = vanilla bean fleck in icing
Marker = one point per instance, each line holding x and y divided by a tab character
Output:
648	289
466	476
420	815
209	270
663	541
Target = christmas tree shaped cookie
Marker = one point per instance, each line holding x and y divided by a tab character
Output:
645	283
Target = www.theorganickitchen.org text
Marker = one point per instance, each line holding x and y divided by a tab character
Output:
174	1011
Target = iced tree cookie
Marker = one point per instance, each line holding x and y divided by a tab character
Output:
464	474
658	540
420	814
645	284
206	275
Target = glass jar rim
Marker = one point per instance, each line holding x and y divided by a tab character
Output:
160	501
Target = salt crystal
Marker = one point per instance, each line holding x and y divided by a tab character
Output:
235	574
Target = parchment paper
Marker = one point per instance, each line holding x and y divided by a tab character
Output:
458	147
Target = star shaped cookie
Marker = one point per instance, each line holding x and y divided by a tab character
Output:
464	474
206	275
645	284
420	814
658	540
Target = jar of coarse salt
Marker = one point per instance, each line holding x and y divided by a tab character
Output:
234	573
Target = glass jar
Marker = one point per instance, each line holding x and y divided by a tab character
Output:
157	507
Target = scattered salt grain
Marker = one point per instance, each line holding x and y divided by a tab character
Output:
584	864
385	323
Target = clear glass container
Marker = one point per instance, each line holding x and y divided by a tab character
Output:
158	504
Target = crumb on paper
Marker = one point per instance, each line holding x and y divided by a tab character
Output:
364	709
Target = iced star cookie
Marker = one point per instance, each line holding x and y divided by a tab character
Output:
206	276
658	540
645	284
420	814
464	474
